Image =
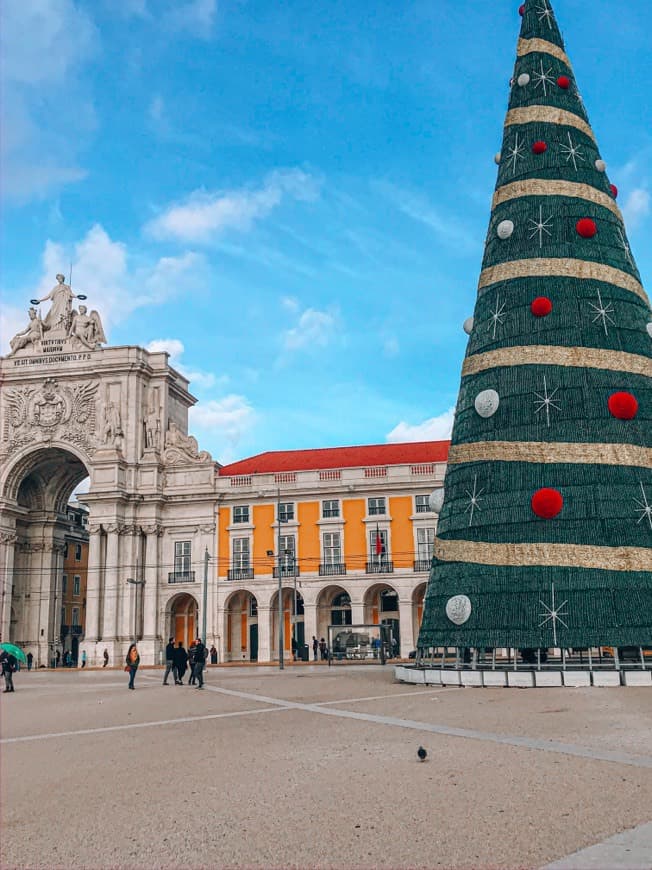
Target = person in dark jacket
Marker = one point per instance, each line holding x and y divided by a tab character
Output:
213	654
8	667
191	663
199	660
169	662
132	661
180	659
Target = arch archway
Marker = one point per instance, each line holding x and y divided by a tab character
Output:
333	608
288	611
381	608
182	612
241	626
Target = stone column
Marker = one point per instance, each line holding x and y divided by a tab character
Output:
357	613
7	544
309	622
93	584
408	641
264	651
153	533
111	582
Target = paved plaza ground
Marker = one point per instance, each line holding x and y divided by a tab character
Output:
318	767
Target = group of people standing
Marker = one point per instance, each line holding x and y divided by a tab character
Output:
177	661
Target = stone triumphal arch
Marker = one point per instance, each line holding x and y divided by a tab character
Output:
71	408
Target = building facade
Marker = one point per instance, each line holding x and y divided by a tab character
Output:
350	530
73	581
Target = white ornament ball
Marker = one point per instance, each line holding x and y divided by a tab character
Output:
523	80
486	403
458	609
505	229
600	165
649	329
497	156
436	500
467	326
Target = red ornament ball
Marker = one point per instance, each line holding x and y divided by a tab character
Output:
521	10
541	306
539	147
563	82
623	406
614	191
547	503
586	228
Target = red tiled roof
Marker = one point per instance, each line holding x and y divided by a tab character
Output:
413	453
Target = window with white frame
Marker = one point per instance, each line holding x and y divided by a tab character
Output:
330	508
182	557
241	513
421	504
64	584
76	585
425	544
376	506
288	552
78	552
285	511
240	552
378	546
75	616
332	548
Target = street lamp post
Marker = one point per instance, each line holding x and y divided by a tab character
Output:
281	663
205	598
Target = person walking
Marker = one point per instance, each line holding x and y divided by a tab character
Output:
180	659
323	649
315	648
131	663
191	663
169	662
83	659
213	654
57	658
8	667
30	660
199	659
105	655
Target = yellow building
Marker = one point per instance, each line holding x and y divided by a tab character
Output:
350	530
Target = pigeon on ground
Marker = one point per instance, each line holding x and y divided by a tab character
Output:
421	752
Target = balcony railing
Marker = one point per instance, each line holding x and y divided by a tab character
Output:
76	630
287	571
380	567
332	569
422	564
240	574
181	577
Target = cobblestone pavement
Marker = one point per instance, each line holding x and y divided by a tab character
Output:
318	767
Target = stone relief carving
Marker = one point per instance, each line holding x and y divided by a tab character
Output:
66	412
95	528
153	529
112	434
180	448
63	328
152	423
8	537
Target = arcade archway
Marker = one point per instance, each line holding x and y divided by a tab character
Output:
182	618
381	608
241	629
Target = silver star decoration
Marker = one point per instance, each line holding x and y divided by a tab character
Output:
515	153
546	401
474	498
572	152
544	13
624	244
645	509
540	227
542	78
602	313
553	614
498	316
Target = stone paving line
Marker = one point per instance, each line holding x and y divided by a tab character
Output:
629	850
271	703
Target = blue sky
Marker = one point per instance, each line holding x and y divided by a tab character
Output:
291	197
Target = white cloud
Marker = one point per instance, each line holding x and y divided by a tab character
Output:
315	328
435	429
226	421
291	303
42	79
101	271
636	207
175	349
204	216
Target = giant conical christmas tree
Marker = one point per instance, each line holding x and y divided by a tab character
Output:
545	534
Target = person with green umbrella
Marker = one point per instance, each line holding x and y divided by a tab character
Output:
8	662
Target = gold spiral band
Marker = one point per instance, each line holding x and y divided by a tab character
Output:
527	46
539	187
551	452
541	355
548	115
557	555
561	267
